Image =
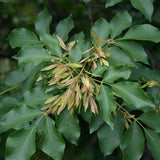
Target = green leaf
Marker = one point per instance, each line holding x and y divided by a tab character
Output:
83	44
19	115
95	123
100	69
132	93
153	92
153	143
120	22
42	22
21	144
107	104
51	142
36	97
86	1
75	54
134	50
64	27
144	32
110	139
101	29
115	73
142	72
119	57
13	78
132	144
151	119
68	125
110	3
21	37
6	104
52	44
87	116
144	6
34	55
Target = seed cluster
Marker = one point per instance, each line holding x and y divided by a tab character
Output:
80	84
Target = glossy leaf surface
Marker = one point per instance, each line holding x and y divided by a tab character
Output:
144	6
120	22
134	50
153	143
21	144
107	104
42	22
115	73
144	32
68	125
34	55
36	97
110	139
151	119
64	27
132	144
21	37
51	142
19	115
132	93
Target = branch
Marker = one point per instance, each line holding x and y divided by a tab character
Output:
90	13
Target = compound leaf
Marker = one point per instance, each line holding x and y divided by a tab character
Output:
21	144
120	22
132	144
132	93
101	29
119	57
151	119
21	37
75	54
153	143
42	22
35	97
111	3
19	115
68	125
110	139
134	50
34	55
114	73
51	142
144	32
64	27
144	6
107	104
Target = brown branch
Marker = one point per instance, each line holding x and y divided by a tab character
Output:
90	13
150	59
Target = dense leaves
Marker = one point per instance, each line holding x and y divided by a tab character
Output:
132	144
112	137
107	104
51	142
102	77
144	6
133	94
145	32
153	142
21	144
21	37
69	126
34	55
120	22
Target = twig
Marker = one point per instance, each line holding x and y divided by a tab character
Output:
150	59
90	13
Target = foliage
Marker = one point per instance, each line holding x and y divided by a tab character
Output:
103	80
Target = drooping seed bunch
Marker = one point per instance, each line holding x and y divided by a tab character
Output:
79	82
